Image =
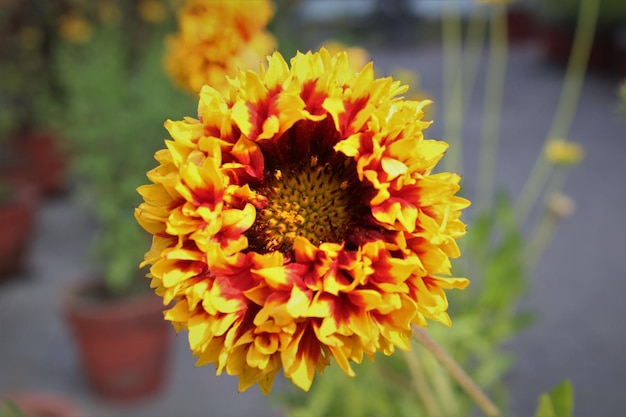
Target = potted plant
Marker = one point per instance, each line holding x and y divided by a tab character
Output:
520	22
18	203
114	106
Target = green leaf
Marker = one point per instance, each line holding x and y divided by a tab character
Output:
557	403
545	407
10	409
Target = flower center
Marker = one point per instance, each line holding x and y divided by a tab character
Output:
314	201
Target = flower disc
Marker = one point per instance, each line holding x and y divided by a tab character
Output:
298	219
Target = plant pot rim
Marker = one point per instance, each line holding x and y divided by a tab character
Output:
77	300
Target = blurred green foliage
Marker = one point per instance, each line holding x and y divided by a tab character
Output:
116	99
611	11
9	409
26	33
557	403
622	98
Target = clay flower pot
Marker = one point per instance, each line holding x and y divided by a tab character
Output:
521	24
17	217
123	343
556	43
46	163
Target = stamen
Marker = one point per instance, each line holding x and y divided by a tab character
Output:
313	202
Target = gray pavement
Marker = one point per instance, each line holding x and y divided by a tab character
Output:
578	288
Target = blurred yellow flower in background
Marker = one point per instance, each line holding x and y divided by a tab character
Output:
298	219
75	28
560	205
152	11
564	152
217	38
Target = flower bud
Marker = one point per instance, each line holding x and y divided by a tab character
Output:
564	152
560	206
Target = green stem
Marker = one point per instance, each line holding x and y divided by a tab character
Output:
566	108
443	386
422	388
544	230
496	70
452	103
470	387
459	77
475	37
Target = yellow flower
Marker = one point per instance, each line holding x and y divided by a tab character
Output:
298	219
412	79
564	152
357	56
217	38
152	11
74	28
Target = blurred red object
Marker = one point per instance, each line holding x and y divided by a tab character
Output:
17	217
43	158
122	342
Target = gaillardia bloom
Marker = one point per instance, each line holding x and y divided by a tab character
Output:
218	38
563	152
298	219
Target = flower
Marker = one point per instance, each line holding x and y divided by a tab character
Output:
357	55
564	152
218	37
75	28
412	79
298	219
560	206
152	11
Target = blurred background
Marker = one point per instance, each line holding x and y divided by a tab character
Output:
83	98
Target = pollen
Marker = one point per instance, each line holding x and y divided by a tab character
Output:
314	202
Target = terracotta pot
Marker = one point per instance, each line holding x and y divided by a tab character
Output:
45	162
122	343
521	24
557	40
41	404
619	42
17	218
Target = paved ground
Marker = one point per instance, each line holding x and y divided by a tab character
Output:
578	288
